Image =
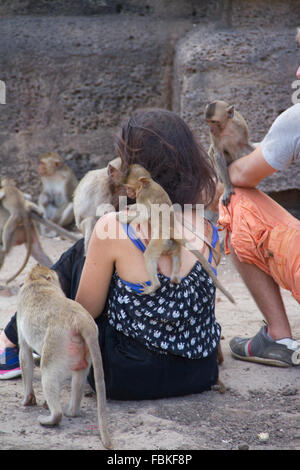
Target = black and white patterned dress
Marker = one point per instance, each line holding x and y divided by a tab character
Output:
177	319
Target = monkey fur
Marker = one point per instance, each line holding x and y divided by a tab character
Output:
229	137
96	191
59	183
49	323
151	195
18	227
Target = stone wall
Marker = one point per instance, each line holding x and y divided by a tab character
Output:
74	69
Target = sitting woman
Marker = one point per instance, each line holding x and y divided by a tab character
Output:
163	344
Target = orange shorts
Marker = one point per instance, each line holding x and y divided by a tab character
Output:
264	234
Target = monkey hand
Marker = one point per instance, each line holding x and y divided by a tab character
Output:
149	289
226	196
34	208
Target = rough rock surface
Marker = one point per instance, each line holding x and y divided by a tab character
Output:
239	67
71	81
75	69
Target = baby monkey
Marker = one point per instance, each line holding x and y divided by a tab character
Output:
165	238
55	326
229	138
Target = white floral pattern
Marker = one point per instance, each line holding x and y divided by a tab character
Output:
177	319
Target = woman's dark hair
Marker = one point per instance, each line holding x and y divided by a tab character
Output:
163	143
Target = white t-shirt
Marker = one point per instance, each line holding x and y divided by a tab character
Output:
281	145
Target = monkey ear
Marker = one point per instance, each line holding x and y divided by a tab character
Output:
145	181
230	111
114	173
111	170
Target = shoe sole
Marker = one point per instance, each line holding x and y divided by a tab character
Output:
261	360
11	374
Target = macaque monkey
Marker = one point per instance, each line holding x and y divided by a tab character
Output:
18	227
95	193
53	325
59	183
229	137
167	239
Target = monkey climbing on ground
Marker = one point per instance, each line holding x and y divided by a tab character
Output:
94	192
18	227
229	138
53	325
153	199
59	183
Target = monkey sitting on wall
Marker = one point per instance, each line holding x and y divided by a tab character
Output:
96	191
229	139
59	183
17	226
167	239
48	322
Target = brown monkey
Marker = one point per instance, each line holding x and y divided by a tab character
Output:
51	324
59	183
19	228
95	194
165	238
229	137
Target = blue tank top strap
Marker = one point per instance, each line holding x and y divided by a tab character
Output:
131	234
140	245
137	287
215	237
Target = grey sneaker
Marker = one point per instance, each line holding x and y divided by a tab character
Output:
261	348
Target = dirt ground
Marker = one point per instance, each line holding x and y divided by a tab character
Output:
259	398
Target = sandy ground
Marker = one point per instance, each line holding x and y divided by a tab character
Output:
259	398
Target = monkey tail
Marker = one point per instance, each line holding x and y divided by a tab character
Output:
27	227
207	268
90	336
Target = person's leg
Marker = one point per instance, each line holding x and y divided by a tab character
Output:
267	296
5	342
273	344
9	336
9	352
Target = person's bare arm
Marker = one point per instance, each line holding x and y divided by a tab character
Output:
98	269
249	170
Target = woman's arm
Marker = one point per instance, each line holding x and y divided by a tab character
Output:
98	268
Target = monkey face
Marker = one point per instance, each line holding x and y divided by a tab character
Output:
48	167
50	162
130	191
42	169
217	115
214	127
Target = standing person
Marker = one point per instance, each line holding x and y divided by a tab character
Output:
265	242
164	344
